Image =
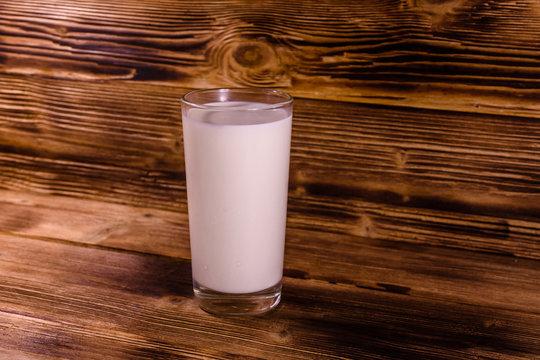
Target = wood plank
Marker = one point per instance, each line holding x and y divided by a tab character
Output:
58	218
95	303
84	302
435	177
135	125
382	264
454	54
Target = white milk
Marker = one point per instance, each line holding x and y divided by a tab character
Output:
237	169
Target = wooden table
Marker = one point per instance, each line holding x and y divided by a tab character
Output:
414	201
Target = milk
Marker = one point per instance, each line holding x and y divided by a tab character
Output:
237	168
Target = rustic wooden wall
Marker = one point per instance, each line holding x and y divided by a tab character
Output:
415	121
454	54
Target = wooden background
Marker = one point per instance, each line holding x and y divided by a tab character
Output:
415	170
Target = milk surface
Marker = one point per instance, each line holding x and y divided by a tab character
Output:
237	169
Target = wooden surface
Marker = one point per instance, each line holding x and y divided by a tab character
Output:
414	199
456	54
87	279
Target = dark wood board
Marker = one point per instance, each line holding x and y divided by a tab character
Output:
435	177
65	299
456	54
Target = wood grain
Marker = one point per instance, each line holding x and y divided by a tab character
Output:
478	56
414	202
433	177
67	301
334	258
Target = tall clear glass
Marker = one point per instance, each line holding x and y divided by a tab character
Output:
237	149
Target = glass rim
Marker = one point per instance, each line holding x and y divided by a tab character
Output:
266	106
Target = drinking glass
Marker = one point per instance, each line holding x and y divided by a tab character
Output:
237	149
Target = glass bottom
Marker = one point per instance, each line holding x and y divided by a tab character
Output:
219	303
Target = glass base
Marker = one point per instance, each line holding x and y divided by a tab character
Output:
219	303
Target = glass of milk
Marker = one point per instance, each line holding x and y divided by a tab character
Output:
236	147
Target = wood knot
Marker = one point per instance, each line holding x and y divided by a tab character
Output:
248	62
401	157
252	55
439	11
364	227
280	333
